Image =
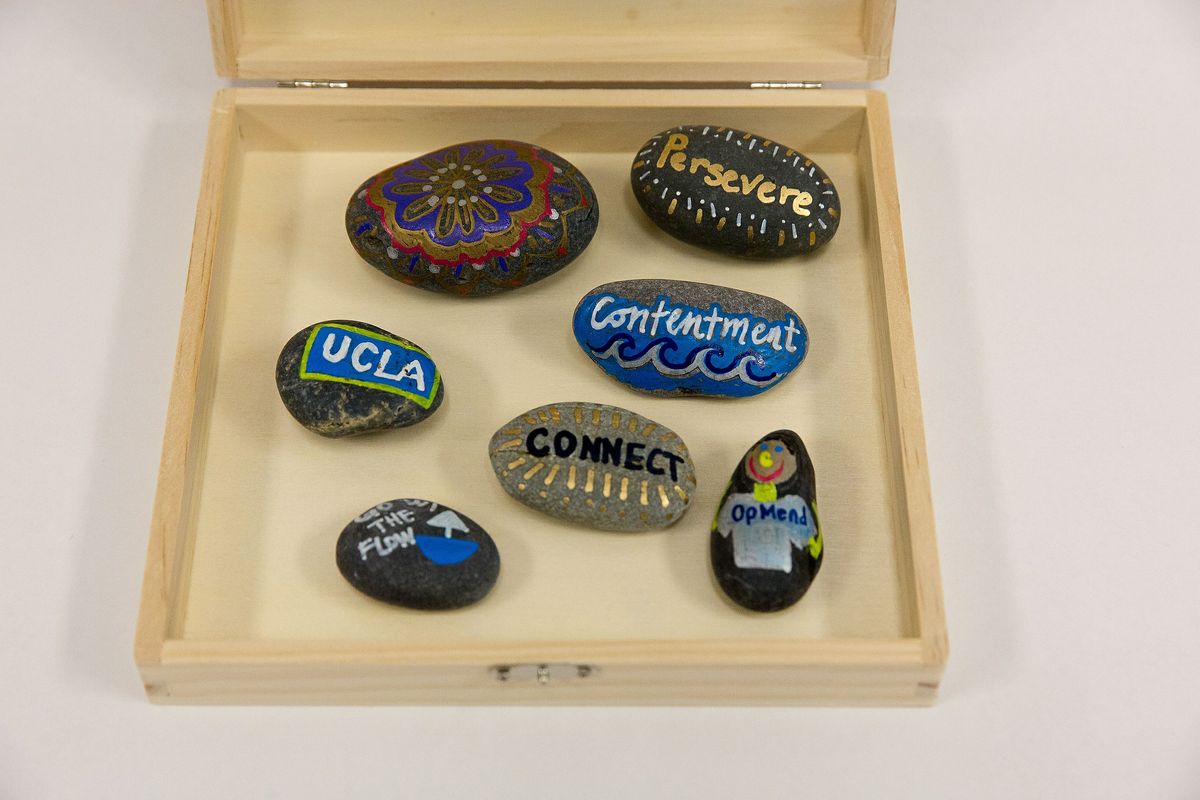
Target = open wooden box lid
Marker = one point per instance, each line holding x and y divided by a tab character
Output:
652	42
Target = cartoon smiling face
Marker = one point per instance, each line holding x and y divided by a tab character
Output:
770	462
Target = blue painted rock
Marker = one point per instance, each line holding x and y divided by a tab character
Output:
766	544
418	554
341	378
474	218
735	192
599	465
683	338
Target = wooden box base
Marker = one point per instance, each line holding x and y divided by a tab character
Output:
242	601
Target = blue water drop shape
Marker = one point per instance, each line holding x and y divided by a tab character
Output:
441	550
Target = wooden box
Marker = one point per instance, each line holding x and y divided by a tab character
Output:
242	601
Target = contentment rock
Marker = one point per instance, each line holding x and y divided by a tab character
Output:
735	192
474	218
341	378
418	554
599	465
683	338
766	542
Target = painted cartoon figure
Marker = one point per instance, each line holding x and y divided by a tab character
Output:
766	543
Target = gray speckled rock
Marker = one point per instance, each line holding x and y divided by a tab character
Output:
474	218
600	465
341	378
418	554
766	544
684	338
734	192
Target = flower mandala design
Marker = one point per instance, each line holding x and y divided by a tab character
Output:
467	203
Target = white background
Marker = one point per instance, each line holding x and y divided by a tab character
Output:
1047	156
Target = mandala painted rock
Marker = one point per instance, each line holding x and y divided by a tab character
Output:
341	378
474	218
599	465
418	554
766	542
683	338
735	192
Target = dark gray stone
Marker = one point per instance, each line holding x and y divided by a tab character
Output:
766	544
683	338
418	554
475	218
342	378
599	465
735	192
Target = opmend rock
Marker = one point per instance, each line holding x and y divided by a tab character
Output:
683	338
474	218
418	554
599	465
735	192
766	542
341	378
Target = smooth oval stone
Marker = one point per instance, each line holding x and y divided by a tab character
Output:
599	465
766	544
341	378
734	192
418	554
684	338
474	218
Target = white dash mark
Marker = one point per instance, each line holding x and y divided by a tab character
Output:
763	228
644	152
705	131
642	177
810	171
793	230
823	225
728	136
712	210
795	160
752	143
775	152
827	191
664	194
690	204
739	219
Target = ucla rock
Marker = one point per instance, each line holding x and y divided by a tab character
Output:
341	378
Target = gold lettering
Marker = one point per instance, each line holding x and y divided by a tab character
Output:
785	192
697	163
798	205
676	141
765	189
679	161
714	174
748	186
728	179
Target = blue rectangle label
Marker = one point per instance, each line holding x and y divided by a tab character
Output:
346	354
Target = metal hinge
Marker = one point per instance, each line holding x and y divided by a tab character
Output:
303	84
542	673
786	85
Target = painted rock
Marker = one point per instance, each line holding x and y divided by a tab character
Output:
599	465
418	554
766	542
734	192
683	338
341	378
474	218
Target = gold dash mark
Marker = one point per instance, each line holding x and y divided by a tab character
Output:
642	499
616	420
578	415
571	477
682	494
633	425
637	164
587	487
662	496
514	464
607	484
720	223
511	431
532	420
552	474
510	444
646	189
749	234
671	208
542	416
649	429
780	238
534	470
554	415
812	238
699	215
624	488
833	212
595	416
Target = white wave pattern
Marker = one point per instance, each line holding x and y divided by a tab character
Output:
697	364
